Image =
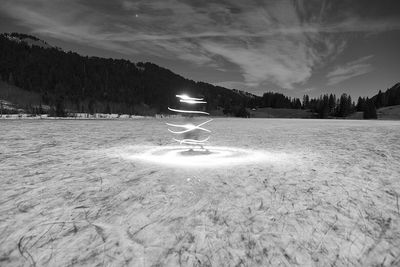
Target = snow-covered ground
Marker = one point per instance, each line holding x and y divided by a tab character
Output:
78	116
321	192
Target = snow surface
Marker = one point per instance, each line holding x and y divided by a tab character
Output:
75	116
75	192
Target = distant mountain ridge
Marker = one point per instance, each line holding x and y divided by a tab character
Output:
27	39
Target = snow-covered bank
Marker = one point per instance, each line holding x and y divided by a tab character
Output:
70	196
84	116
77	116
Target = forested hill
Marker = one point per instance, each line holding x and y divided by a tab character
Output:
390	97
67	80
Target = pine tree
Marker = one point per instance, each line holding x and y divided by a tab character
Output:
370	110
379	100
332	103
345	106
60	109
306	102
108	109
360	104
11	79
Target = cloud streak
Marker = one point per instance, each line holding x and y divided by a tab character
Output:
349	70
281	62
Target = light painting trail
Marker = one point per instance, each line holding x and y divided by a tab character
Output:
189	111
189	137
189	127
192	141
186	97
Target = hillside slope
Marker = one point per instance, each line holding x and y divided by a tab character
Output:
17	100
92	84
389	113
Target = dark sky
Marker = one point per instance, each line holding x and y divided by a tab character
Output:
293	47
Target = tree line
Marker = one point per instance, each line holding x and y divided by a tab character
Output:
329	105
324	106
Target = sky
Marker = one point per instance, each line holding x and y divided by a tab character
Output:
288	46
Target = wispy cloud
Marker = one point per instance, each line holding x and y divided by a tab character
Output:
280	62
277	42
349	70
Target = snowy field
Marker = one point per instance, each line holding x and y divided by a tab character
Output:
275	192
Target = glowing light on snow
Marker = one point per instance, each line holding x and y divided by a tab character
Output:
187	157
188	128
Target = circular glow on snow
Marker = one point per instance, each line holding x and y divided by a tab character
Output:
187	156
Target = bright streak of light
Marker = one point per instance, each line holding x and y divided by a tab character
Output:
189	130
186	97
189	111
192	141
192	101
184	126
189	127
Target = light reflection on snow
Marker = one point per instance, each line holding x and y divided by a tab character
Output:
185	156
